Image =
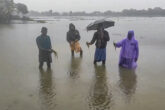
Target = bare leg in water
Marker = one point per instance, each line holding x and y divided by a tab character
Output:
72	51
41	65
48	65
81	53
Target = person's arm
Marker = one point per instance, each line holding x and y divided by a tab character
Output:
50	44
137	52
77	35
68	37
118	44
92	41
51	50
55	52
106	38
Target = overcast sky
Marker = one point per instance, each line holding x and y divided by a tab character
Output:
90	5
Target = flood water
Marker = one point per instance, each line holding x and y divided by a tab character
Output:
75	83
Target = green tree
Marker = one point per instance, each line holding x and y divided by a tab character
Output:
6	10
22	8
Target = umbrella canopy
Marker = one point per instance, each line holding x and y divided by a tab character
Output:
103	22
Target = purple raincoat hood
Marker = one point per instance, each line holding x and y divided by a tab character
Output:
132	33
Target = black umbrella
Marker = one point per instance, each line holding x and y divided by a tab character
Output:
103	22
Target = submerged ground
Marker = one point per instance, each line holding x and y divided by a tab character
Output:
75	83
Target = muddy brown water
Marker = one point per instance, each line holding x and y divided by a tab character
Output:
75	83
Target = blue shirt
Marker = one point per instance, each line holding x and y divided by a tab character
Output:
43	42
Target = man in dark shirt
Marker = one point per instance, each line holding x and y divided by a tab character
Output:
73	37
101	37
45	48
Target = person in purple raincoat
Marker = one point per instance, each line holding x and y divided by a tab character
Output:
129	51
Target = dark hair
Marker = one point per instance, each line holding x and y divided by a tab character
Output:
71	24
99	26
43	29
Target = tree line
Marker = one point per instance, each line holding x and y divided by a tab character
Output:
10	10
155	12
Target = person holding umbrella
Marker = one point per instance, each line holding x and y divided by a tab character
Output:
101	37
129	51
73	37
45	48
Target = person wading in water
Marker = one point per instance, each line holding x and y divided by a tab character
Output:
73	37
45	48
101	37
